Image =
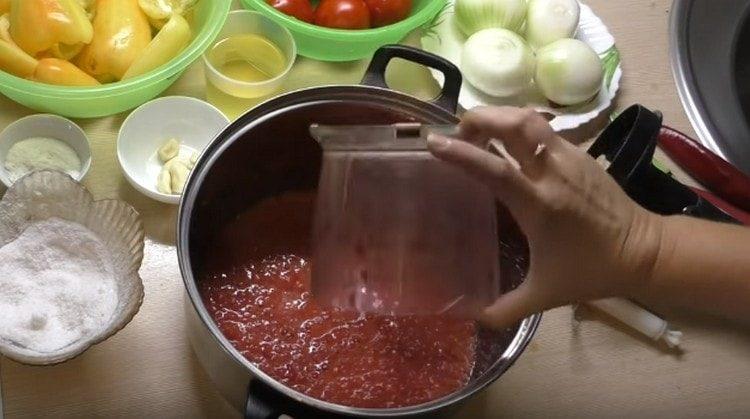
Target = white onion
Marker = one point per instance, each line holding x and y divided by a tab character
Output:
550	20
568	72
498	62
475	15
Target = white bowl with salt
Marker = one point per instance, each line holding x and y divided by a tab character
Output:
69	277
40	142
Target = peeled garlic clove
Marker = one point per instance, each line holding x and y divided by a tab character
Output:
164	181
193	160
169	150
179	173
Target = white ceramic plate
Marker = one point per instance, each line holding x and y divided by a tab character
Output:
443	38
191	121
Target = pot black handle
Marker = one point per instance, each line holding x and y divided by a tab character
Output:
258	406
448	98
263	402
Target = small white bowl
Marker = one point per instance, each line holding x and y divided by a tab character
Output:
194	123
45	125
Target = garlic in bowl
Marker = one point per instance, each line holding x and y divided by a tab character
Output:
69	277
190	122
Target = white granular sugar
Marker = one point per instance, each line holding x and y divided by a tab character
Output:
57	286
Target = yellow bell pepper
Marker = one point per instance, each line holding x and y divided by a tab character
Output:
157	23
165	9
87	5
61	72
65	51
121	33
4	6
38	25
15	61
12	58
166	45
5	29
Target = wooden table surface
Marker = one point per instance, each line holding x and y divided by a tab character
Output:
589	369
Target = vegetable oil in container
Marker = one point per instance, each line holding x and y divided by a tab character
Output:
242	70
247	59
249	62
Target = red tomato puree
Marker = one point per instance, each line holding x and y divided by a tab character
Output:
257	291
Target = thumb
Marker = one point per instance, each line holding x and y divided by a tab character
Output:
511	308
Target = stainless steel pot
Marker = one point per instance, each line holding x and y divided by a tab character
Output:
269	151
710	51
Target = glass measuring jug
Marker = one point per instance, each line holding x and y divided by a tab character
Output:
397	231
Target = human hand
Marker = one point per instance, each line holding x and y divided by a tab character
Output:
587	238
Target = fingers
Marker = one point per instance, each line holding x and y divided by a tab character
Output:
521	130
507	183
510	308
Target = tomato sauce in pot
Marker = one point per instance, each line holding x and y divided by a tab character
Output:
257	289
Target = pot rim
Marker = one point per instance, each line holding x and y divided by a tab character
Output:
219	145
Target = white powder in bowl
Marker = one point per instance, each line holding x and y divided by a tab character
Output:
57	286
39	153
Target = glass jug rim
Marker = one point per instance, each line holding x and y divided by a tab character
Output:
380	138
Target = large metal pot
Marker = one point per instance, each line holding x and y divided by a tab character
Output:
710	51
269	151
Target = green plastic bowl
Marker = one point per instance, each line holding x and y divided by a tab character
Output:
327	44
108	99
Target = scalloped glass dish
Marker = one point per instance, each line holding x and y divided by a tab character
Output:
46	194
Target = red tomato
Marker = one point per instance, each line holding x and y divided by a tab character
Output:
343	14
386	12
301	9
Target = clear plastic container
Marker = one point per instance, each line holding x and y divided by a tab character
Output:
397	231
243	22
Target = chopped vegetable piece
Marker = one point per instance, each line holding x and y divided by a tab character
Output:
15	61
38	25
121	33
61	72
65	51
165	46
165	9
